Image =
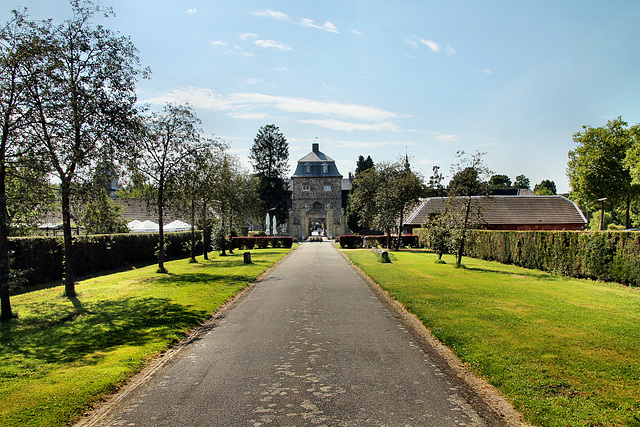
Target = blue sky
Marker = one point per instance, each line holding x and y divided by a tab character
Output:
510	78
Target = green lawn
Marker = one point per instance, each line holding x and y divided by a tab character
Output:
62	355
565	352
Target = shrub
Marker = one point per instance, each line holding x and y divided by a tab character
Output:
41	258
350	241
608	255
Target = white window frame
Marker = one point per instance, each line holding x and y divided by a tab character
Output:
327	188
306	187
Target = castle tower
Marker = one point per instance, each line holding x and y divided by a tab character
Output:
316	191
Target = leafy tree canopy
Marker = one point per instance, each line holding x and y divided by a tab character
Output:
545	188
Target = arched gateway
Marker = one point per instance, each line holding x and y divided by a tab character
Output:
316	193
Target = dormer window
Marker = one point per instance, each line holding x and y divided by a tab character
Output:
325	168
307	168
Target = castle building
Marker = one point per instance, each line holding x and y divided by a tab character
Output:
317	197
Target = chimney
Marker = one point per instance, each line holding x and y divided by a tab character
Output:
315	147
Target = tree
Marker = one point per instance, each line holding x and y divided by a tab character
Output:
439	232
499	181
383	193
468	192
363	164
545	188
168	139
521	182
435	187
352	217
101	216
83	96
597	168
270	156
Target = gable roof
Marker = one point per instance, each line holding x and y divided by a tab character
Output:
511	211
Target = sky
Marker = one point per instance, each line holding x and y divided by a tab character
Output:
512	79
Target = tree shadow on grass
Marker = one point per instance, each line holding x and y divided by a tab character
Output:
534	274
100	327
191	278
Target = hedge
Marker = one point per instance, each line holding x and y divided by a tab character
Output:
261	242
40	259
600	255
353	241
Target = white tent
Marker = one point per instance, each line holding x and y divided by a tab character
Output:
144	227
133	224
177	225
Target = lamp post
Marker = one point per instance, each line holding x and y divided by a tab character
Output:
602	200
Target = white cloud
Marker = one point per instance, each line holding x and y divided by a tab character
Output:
245	36
450	50
252	81
249	115
447	137
191	11
328	26
412	43
430	44
280	16
218	43
271	43
305	22
487	71
349	127
242	103
358	33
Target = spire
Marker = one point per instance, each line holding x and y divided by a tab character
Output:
407	166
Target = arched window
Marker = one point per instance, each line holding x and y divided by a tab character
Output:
317	207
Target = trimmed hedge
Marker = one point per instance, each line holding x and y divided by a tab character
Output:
599	255
354	241
261	242
41	258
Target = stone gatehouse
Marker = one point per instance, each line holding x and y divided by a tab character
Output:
317	197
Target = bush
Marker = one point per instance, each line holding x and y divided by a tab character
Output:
350	241
41	258
261	242
608	255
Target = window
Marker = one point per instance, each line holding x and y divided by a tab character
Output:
306	206
305	187
327	188
327	206
307	168
325	168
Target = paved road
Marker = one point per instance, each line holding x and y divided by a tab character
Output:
310	345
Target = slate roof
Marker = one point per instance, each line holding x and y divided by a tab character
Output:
315	160
512	211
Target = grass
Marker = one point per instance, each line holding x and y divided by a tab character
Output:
565	352
61	355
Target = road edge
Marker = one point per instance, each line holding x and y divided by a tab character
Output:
483	397
105	407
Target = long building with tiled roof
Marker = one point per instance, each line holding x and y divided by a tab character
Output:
512	213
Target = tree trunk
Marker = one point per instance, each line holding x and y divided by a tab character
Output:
464	233
161	268
627	218
69	284
388	230
193	231
206	241
5	298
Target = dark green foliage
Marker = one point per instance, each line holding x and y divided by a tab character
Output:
269	157
500	181
261	242
41	258
609	256
521	182
352	241
545	188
